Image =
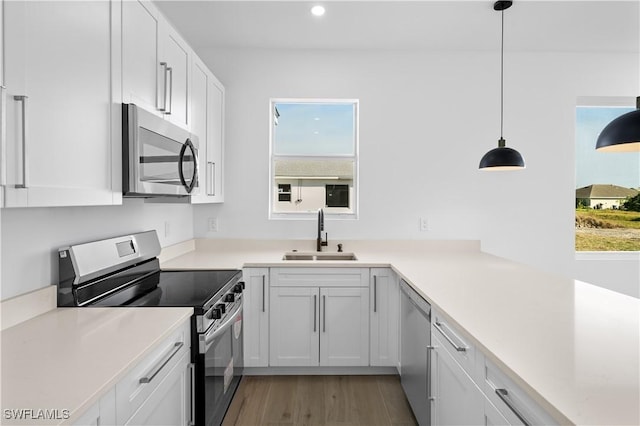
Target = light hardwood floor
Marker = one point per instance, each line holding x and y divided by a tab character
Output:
319	400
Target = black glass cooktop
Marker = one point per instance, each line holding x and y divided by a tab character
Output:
149	287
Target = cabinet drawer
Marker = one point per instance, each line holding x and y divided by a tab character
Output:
452	341
145	377
510	400
319	277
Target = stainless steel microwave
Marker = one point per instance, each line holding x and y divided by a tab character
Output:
158	157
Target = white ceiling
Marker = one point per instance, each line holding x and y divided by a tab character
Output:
577	26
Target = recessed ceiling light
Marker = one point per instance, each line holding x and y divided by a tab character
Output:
317	10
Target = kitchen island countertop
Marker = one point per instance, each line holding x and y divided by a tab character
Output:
572	346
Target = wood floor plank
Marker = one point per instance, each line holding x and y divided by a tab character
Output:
395	401
368	399
281	401
319	401
247	406
340	406
310	401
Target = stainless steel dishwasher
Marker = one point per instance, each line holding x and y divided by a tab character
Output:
415	372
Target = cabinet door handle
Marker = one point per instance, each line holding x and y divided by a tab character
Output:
375	293
3	135
315	316
504	396
192	368
163	104
438	326
212	178
324	314
149	377
264	293
429	396
170	109
25	164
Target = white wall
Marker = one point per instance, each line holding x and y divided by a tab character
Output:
426	119
31	237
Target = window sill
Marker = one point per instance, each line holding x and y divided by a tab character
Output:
608	255
312	216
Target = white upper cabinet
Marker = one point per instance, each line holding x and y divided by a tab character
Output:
60	146
175	60
207	113
141	76
155	63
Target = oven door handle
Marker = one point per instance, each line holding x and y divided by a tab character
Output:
207	339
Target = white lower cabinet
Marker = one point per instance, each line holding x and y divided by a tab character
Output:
256	317
156	391
385	315
457	399
319	317
469	389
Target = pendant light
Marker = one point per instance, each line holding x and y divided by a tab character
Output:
502	158
622	134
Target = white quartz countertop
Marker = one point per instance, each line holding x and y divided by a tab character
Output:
67	358
574	347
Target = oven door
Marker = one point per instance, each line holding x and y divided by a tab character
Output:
219	368
159	157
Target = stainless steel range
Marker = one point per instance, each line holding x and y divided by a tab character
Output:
125	271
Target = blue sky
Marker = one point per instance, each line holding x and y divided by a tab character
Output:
592	167
314	129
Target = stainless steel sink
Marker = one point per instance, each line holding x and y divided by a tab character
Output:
319	256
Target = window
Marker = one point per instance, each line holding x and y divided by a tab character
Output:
607	187
314	158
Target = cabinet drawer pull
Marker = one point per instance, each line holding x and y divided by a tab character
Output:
504	396
149	377
25	175
192	420
438	326
429	349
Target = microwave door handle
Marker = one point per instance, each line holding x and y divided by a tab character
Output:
194	179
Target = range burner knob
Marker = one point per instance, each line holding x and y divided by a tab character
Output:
241	283
222	307
237	288
230	298
216	313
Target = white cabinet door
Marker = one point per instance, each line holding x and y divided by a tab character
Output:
344	318
59	136
142	74
207	122
293	326
385	312
101	413
256	317
175	54
493	417
169	403
215	140
457	399
199	126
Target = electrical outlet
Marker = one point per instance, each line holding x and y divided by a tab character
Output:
213	224
167	229
424	224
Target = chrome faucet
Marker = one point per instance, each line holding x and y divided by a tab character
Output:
319	242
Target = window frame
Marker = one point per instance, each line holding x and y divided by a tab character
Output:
596	102
354	214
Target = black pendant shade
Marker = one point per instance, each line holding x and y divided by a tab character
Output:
502	158
622	134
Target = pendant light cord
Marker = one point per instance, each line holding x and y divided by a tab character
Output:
502	77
